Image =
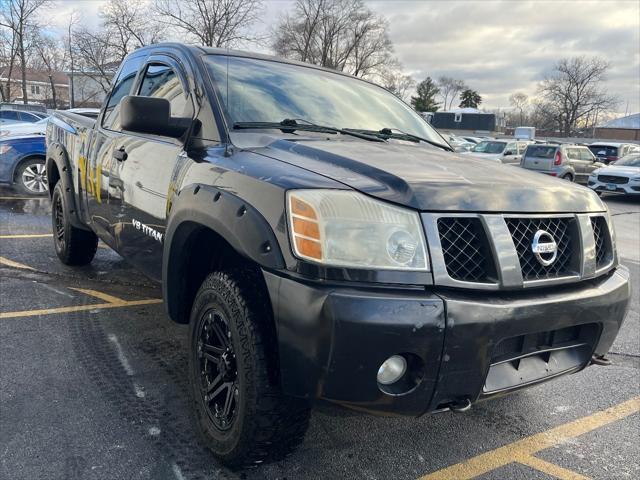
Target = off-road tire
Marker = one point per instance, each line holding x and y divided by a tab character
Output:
73	246
267	425
31	166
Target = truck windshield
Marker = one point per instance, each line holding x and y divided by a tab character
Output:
269	91
489	147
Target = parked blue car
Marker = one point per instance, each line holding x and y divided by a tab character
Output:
22	164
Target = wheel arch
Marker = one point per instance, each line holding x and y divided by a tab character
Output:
58	168
211	229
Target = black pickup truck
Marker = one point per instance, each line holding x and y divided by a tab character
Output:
324	243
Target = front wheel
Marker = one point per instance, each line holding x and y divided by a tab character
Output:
31	177
568	177
241	411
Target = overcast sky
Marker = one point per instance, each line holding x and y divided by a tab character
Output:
496	47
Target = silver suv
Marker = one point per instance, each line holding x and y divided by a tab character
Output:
569	162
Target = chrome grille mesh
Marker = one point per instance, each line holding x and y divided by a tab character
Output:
464	248
523	230
487	251
599	225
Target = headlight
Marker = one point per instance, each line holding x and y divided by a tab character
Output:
4	149
635	179
348	229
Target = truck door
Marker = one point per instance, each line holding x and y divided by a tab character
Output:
143	168
95	167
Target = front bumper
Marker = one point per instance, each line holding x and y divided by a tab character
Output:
631	188
332	339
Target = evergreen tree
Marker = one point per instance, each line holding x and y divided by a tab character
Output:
425	101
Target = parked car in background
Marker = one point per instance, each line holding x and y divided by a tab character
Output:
17	116
567	161
622	177
503	151
25	128
459	144
24	107
608	152
22	164
525	133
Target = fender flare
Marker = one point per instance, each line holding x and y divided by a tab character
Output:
238	223
56	154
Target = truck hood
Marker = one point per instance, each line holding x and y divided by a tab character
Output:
429	179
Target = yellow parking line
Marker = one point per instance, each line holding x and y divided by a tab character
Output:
522	449
28	235
11	263
102	296
551	468
79	308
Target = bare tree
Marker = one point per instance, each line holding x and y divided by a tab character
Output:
51	58
95	57
129	26
519	101
74	19
398	83
575	89
8	54
19	17
343	35
213	23
126	26
449	89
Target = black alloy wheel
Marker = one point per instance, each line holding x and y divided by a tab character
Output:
218	370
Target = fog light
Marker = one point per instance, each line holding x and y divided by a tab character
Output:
392	370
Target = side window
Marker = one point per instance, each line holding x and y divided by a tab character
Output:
586	155
9	115
27	117
511	147
121	88
521	148
573	153
161	81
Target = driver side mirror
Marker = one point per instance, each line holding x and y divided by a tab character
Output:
151	115
508	152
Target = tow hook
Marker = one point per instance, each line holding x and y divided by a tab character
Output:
461	407
600	360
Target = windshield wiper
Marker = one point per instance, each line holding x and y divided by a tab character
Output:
387	133
290	125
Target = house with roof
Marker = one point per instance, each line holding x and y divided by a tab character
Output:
41	87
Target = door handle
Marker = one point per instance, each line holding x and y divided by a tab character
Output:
120	155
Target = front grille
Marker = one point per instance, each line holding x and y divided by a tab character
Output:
465	250
601	236
561	229
613	179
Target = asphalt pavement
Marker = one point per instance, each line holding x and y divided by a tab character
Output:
93	385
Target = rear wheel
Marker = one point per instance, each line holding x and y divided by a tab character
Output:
568	177
31	177
74	246
241	411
